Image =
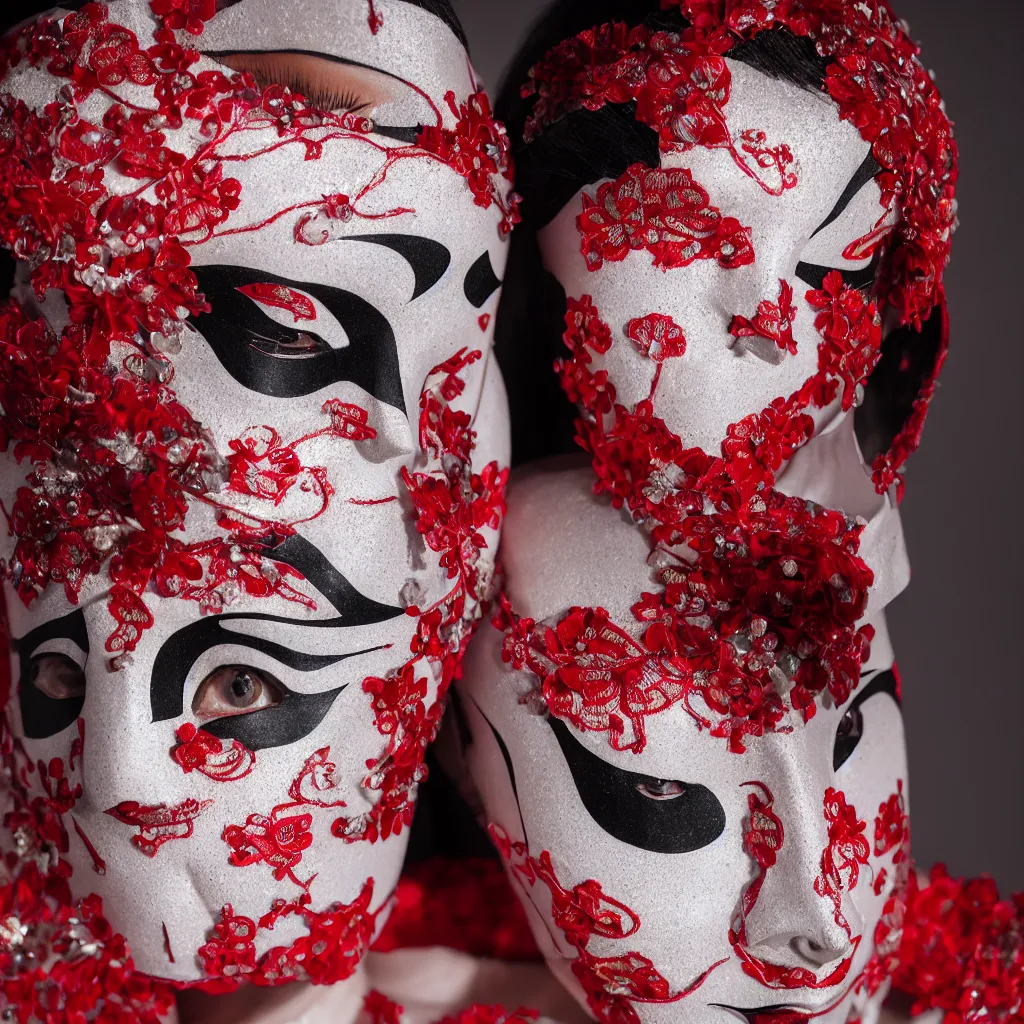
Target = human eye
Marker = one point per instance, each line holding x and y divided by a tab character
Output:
52	680
236	690
661	789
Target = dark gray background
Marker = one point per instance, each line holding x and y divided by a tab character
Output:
956	628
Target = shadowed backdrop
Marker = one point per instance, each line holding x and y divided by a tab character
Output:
956	628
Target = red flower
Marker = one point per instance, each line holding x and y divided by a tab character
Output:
773	320
279	842
187	14
665	212
657	336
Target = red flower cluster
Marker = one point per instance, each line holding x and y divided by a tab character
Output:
962	950
585	912
217	759
665	212
770	590
466	905
478	148
329	952
381	1010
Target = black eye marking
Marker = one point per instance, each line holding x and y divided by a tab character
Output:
850	730
869	169
429	259
295	717
814	275
659	815
481	281
285	362
43	716
182	649
407	135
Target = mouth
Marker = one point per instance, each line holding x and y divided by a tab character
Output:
770	1014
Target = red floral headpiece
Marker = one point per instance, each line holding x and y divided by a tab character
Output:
681	83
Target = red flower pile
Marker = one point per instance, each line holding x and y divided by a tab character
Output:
962	950
466	905
770	590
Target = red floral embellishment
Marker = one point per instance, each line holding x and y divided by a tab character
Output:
773	320
190	15
892	827
666	213
335	941
477	148
158	823
478	1014
847	851
962	950
584	913
657	336
220	760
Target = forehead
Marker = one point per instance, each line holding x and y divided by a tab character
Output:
410	43
771	118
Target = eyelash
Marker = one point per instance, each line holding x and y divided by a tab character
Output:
320	96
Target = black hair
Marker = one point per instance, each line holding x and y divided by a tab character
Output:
588	146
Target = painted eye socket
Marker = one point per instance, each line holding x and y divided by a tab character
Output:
848	735
58	677
661	789
659	815
235	690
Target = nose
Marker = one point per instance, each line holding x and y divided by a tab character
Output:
796	922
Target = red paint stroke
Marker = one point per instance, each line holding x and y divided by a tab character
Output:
484	321
373	501
374	19
167	943
99	865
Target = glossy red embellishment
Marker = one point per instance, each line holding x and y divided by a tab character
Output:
664	212
484	320
217	759
99	865
280	297
847	851
158	823
329	952
773	320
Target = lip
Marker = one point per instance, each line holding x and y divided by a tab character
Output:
770	1014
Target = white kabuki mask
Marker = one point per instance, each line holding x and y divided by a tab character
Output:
283	531
688	741
638	868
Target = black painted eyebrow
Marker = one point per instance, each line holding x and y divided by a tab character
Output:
428	258
867	170
882	682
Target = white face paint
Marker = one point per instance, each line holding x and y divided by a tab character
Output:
665	832
311	302
800	233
